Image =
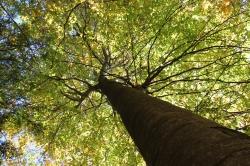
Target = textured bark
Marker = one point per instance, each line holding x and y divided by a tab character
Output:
167	135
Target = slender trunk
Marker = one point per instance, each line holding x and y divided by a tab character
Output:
169	135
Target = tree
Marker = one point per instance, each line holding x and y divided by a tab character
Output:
192	54
166	134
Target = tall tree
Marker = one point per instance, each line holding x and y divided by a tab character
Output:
170	135
193	54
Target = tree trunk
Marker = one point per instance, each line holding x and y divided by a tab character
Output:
167	135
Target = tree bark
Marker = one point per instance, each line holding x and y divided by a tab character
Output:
167	135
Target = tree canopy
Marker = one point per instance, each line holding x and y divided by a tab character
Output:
194	54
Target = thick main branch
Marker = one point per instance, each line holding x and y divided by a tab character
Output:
169	135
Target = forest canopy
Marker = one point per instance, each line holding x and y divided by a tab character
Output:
193	54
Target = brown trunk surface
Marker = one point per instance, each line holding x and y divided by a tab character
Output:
167	135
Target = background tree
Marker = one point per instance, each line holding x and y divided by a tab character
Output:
192	54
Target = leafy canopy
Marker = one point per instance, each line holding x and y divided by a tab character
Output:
194	54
